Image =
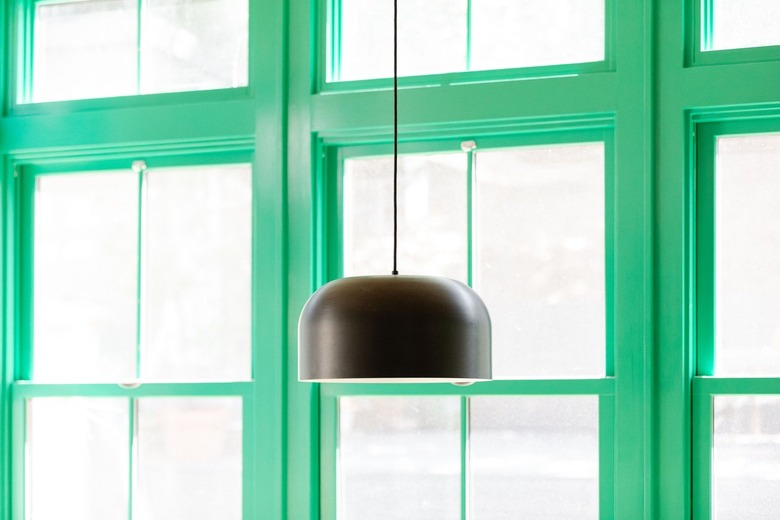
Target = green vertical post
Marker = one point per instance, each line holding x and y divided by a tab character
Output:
468	34
465	491
132	455
140	168
704	209
138	20
703	439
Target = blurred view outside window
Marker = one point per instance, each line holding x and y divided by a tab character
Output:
538	244
103	48
399	457
746	431
526	226
746	457
139	276
437	36
534	457
143	275
747	252
182	458
744	23
539	258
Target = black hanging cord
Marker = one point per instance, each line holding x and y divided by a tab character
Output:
395	136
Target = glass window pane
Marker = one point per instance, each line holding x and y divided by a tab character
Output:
432	215
527	33
193	45
399	457
434	35
534	458
86	262
77	458
747	256
197	274
189	459
746	458
84	49
540	264
431	38
745	23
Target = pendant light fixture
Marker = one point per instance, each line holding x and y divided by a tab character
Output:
394	328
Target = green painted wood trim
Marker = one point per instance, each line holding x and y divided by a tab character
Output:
736	385
612	230
440	137
329	442
465	431
702	456
466	103
132	447
705	250
28	390
138	126
24	202
268	76
672	342
607	457
16	500
8	417
515	387
306	270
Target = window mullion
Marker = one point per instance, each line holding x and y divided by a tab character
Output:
140	168
468	34
27	185
607	456
132	481
465	492
138	16
703	445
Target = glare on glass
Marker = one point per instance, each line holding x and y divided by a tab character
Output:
189	459
534	458
438	36
527	33
540	258
197	273
746	457
96	48
431	38
747	256
77	458
432	215
744	23
399	457
84	49
85	283
193	45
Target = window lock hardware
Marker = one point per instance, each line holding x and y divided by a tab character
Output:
468	146
139	166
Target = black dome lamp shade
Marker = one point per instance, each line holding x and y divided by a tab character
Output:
393	328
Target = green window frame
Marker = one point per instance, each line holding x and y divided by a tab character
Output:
25	387
328	218
706	386
699	35
328	57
